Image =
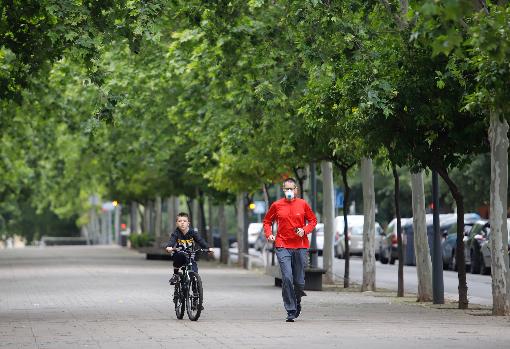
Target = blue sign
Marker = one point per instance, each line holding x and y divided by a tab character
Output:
339	201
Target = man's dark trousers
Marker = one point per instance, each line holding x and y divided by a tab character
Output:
292	266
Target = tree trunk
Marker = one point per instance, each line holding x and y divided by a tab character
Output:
300	183
157	223
172	207
328	214
209	227
147	217
94	224
222	226
498	131
266	195
117	212
400	250
202	224
421	242
459	250
195	207
347	193
133	221
240	228
189	203
104	228
367	173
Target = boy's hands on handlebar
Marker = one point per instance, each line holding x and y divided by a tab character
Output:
170	249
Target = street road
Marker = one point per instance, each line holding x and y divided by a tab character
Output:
110	297
479	286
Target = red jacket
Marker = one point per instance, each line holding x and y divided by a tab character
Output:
290	215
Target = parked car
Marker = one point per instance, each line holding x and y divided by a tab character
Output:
319	231
480	248
355	236
472	245
388	251
446	221
379	233
485	248
449	244
254	230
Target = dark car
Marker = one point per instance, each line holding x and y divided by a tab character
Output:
478	236
449	245
480	248
389	252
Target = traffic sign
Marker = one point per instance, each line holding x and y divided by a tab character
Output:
339	202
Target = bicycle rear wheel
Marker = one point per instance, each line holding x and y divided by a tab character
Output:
179	300
194	297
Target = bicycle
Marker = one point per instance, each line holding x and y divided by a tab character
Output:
188	292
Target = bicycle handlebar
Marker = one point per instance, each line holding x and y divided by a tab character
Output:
179	249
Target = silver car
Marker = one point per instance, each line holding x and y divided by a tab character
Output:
355	236
319	233
254	230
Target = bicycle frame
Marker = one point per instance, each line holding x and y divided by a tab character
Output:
188	267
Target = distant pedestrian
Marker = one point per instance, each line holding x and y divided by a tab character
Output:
295	219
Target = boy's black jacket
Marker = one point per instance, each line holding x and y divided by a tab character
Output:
178	239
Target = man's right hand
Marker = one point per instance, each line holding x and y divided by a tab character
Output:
169	249
271	238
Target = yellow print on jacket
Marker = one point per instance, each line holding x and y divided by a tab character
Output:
186	243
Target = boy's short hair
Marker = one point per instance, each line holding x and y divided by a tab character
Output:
182	214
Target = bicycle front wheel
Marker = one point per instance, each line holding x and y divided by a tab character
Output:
179	300
194	297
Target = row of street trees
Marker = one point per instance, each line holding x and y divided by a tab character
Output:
139	100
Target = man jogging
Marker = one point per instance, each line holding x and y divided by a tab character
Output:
295	219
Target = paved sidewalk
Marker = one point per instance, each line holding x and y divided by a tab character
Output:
107	297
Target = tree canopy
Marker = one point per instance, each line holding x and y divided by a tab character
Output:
133	99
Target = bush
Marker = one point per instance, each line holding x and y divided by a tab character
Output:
141	240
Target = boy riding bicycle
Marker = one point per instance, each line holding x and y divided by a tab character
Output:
181	239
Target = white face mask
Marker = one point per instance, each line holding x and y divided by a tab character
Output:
289	194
